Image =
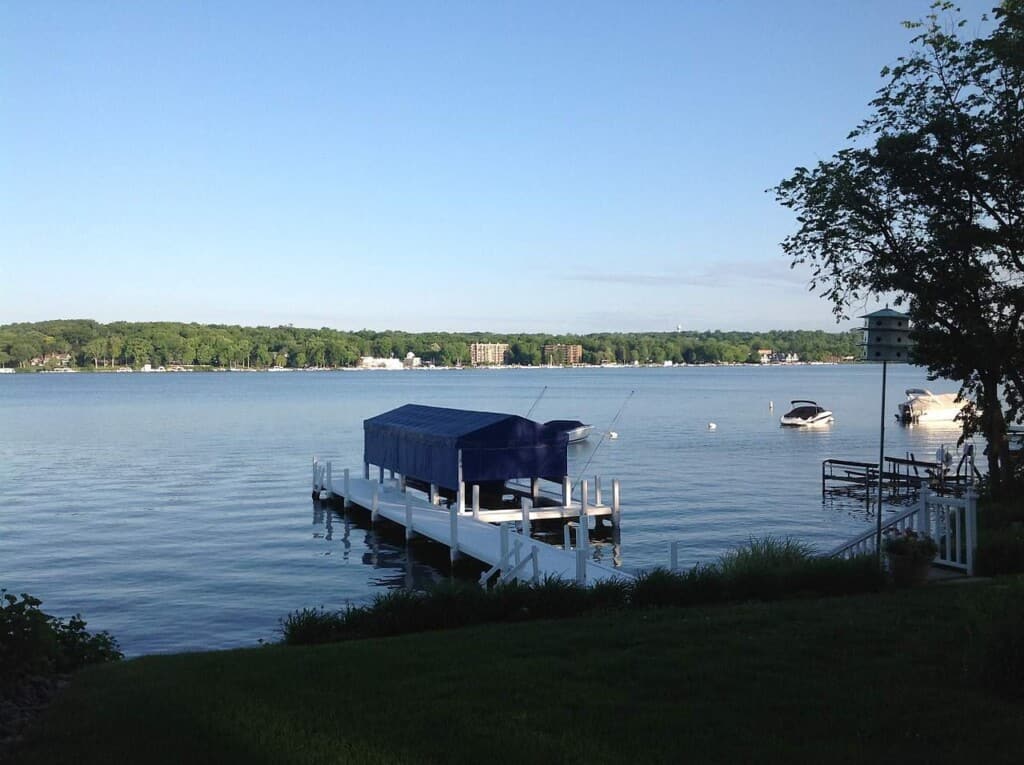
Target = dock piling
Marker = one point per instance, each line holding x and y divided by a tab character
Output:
346	502
524	505
408	517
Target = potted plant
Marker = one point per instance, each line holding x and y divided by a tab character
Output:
910	555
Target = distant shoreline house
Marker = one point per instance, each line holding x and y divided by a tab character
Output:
768	356
489	354
60	359
411	361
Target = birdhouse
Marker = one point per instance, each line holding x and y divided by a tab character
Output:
887	336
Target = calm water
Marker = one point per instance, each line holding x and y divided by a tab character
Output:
173	509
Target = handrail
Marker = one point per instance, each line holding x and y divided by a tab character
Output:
862	540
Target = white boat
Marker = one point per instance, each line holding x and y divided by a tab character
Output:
924	406
806	414
576	430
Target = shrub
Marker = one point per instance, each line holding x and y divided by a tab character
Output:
309	626
659	587
35	643
1000	551
760	555
768	568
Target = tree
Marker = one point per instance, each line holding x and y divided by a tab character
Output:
95	349
927	205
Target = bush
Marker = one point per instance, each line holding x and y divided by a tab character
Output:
1000	551
659	587
766	569
35	643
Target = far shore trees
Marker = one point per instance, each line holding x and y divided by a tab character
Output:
927	205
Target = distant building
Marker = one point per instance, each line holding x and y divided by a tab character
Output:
372	362
559	353
766	356
60	359
411	361
488	354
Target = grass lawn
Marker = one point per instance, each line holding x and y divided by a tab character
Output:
878	678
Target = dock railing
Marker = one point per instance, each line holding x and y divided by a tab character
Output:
951	521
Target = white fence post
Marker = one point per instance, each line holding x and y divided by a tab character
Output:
971	524
503	534
536	565
924	521
476	501
566	491
566	537
582	536
461	484
525	507
581	562
453	514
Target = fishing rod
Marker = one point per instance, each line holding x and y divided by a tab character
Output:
542	392
604	435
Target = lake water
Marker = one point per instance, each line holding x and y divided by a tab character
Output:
174	509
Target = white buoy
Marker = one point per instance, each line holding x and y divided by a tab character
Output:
612	434
712	426
771	405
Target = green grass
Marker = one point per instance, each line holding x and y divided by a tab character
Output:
892	677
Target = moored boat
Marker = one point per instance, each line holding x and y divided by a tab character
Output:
924	406
806	414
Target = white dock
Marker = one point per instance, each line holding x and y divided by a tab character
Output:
485	535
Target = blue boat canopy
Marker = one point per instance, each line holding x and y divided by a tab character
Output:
423	442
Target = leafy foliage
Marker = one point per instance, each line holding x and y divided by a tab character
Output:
764	569
927	205
911	544
94	345
35	643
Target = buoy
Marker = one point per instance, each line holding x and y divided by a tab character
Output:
712	426
612	434
771	405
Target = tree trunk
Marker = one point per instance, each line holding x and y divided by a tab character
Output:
994	428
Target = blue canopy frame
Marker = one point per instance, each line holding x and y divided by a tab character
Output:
424	442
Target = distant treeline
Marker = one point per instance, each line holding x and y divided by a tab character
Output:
87	343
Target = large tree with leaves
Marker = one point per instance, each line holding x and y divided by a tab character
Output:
926	205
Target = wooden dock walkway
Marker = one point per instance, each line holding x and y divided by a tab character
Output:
484	535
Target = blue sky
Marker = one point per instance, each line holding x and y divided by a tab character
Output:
424	166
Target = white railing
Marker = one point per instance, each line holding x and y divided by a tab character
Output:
951	521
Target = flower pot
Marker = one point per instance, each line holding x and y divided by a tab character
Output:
908	570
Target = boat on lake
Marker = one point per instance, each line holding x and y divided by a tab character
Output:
806	413
574	429
924	406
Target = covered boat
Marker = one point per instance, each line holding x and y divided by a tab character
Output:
806	413
924	406
443	447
